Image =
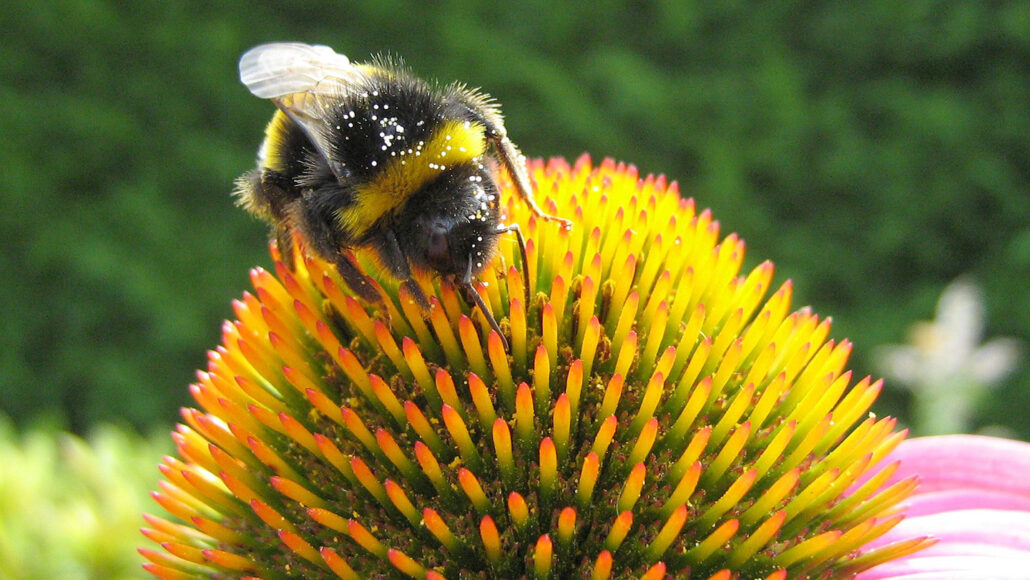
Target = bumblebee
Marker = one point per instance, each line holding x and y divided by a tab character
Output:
370	156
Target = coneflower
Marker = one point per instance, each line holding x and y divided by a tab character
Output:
659	414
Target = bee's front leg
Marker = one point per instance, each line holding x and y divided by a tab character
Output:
394	258
356	280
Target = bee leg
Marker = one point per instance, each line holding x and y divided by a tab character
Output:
262	193
361	284
284	243
417	294
515	164
525	259
468	292
393	256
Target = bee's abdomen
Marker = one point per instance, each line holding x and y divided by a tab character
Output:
285	149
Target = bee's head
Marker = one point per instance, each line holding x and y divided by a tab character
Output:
456	230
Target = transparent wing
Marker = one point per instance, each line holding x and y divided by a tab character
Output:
284	68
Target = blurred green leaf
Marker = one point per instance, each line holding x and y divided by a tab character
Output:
70	507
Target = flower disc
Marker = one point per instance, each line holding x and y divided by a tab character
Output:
659	414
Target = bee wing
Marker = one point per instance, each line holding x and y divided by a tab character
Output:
279	69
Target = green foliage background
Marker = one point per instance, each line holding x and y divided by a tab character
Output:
873	150
71	507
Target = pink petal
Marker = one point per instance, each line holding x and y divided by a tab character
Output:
965	462
980	529
974	498
941	501
952	568
976	554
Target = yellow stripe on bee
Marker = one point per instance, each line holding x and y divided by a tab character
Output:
454	143
271	154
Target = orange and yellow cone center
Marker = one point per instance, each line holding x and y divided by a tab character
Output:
659	414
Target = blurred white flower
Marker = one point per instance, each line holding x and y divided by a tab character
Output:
946	366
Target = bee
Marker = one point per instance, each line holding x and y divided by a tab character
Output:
369	156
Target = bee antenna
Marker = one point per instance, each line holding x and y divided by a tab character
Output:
525	257
471	295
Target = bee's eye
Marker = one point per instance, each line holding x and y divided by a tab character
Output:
438	250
